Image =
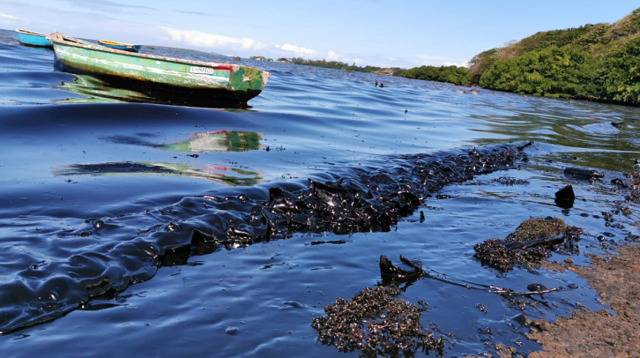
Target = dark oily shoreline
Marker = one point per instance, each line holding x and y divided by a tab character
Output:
377	321
363	323
358	199
586	333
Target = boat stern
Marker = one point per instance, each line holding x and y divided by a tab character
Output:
265	77
246	78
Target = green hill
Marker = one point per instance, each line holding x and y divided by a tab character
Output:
597	62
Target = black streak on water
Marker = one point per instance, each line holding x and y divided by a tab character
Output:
353	200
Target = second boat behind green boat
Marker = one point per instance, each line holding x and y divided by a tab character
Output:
172	80
30	38
120	45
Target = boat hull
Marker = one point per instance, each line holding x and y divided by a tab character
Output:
167	94
33	40
178	81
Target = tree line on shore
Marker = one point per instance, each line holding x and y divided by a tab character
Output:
329	64
598	62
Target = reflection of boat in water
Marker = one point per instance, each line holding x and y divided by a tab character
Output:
99	91
201	142
165	79
229	175
215	141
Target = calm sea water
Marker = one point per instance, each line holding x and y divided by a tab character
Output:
84	173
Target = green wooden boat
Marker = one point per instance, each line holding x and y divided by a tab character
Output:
172	80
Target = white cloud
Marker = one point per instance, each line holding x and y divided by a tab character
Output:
296	50
438	61
244	45
204	39
8	17
334	56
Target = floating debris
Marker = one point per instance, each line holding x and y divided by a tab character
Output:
536	287
634	183
510	181
376	321
617	124
531	243
583	174
394	275
334	242
619	183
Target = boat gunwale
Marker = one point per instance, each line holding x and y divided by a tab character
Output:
59	39
28	32
115	43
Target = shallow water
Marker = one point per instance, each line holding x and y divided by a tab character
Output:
86	176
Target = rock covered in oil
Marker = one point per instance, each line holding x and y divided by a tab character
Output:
532	242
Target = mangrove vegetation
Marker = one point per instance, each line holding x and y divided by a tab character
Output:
598	62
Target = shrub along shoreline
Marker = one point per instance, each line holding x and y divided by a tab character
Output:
598	62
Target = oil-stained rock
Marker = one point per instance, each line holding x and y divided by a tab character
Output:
565	197
532	242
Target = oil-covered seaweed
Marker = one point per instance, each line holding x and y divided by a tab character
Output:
376	321
111	257
532	242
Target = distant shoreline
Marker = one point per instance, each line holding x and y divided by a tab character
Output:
596	63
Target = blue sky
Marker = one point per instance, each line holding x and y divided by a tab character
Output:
377	32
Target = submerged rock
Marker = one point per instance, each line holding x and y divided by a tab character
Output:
532	242
376	321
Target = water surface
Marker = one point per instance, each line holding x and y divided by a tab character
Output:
83	172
